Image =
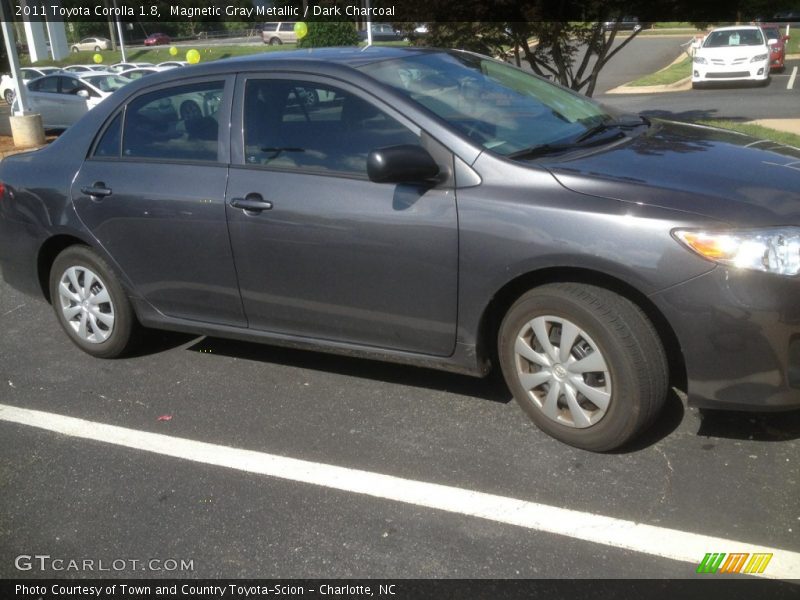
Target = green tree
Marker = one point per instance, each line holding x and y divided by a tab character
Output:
329	33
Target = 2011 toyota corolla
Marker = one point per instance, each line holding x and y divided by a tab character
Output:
432	207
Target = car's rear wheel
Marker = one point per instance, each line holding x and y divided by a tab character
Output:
9	96
90	303
97	48
584	363
275	41
75	49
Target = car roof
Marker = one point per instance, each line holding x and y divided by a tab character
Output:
95	74
736	27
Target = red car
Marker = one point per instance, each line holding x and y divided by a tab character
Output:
777	50
157	39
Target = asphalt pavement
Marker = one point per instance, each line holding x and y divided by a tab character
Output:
727	475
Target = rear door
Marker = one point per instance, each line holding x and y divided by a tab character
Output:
153	194
332	255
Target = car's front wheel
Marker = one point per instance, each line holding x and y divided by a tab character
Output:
97	48
584	363
75	49
275	42
90	303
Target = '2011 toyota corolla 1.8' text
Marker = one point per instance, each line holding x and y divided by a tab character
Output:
431	207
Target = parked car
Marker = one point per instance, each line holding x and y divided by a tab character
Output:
7	87
139	72
157	39
124	66
626	23
738	53
173	63
92	43
381	32
434	207
83	68
776	40
278	32
63	98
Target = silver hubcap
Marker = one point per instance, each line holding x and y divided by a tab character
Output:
86	304
563	371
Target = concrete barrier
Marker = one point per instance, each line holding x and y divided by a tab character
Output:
27	130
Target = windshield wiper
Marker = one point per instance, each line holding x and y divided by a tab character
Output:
545	149
612	124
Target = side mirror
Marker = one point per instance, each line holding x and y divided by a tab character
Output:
405	163
772	42
83	94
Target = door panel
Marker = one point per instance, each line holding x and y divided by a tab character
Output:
165	226
347	260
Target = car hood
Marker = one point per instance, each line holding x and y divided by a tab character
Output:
712	172
731	52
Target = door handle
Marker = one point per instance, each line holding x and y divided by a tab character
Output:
251	203
97	190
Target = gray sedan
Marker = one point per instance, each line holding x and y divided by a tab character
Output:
437	208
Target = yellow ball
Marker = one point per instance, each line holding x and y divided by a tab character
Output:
98	58
300	30
173	51
193	57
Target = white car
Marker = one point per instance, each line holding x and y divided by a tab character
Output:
84	68
174	63
125	66
92	43
139	72
732	54
63	98
7	87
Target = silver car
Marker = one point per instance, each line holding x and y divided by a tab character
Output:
92	43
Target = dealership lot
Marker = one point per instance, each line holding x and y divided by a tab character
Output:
717	474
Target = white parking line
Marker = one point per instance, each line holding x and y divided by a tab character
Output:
619	533
790	84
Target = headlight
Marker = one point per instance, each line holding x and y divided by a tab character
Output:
699	60
770	250
759	58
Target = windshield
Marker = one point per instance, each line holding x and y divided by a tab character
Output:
734	37
771	33
107	83
501	107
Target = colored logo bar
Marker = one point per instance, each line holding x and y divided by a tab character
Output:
735	562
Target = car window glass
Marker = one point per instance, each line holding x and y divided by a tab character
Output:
289	26
70	85
270	27
108	146
179	123
302	125
45	84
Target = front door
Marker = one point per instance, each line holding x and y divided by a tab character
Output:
320	250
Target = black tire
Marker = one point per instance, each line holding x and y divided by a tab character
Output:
275	41
9	97
97	48
628	343
75	49
125	327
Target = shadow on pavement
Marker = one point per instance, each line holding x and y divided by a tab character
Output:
490	388
761	427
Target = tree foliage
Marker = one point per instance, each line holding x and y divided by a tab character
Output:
329	33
